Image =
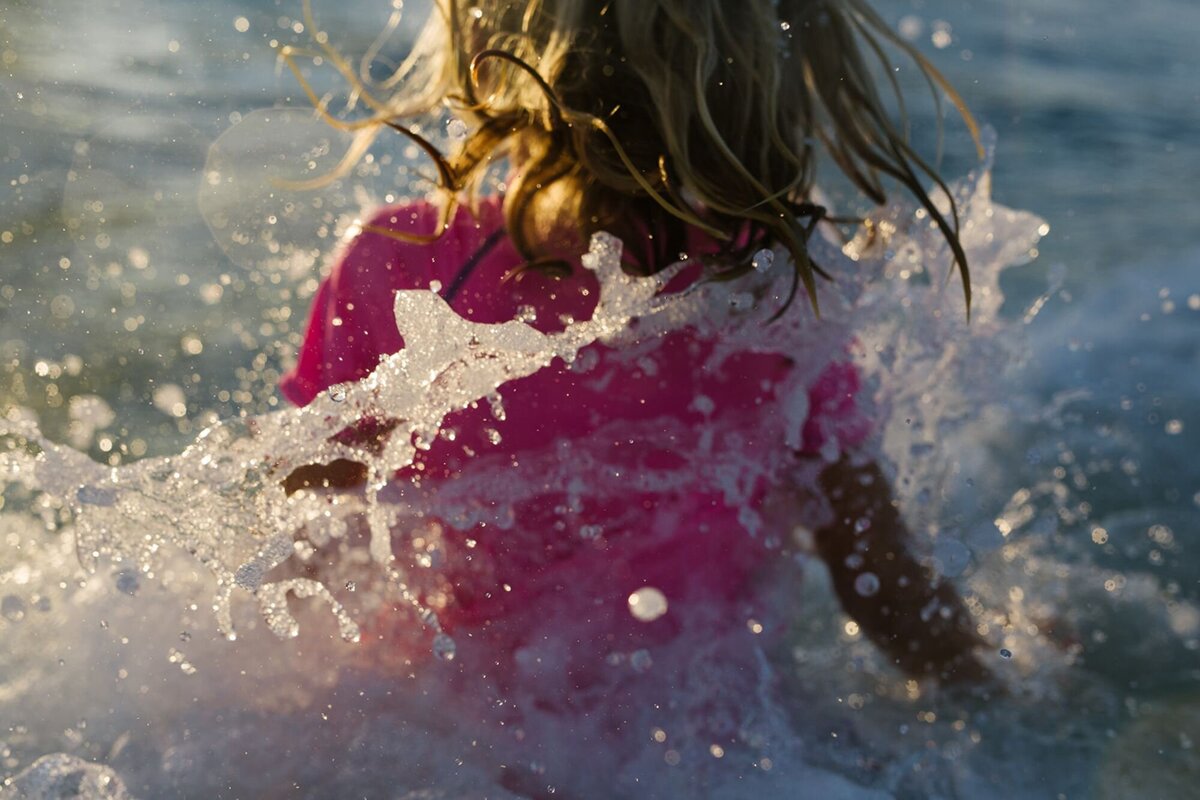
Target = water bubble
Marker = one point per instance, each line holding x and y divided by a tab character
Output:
911	27
184	636
763	260
591	531
12	608
456	129
62	775
337	392
641	661
496	402
647	604
942	34
351	586
862	524
854	561
444	648
171	400
951	557
127	582
1006	653
867	584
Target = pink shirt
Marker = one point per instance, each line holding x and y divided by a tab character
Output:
688	544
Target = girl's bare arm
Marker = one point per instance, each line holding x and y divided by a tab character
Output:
919	620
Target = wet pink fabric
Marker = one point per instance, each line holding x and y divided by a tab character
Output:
505	580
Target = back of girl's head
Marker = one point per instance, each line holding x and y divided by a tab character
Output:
644	117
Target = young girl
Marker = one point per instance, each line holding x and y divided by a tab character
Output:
638	494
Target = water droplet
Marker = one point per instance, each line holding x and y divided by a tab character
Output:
867	584
854	561
647	604
337	392
763	260
862	524
641	661
127	582
456	129
184	636
351	586
1006	653
444	648
12	608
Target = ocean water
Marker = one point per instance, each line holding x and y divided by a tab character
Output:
136	310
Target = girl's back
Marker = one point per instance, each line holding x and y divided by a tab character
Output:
643	466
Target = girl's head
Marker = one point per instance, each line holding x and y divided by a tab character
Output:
644	117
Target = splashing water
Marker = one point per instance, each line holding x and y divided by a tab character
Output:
223	499
222	503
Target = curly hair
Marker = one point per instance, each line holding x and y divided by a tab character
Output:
645	117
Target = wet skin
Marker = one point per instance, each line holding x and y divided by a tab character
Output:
916	618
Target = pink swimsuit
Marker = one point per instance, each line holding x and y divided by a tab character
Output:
566	550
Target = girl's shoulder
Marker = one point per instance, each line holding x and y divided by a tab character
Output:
352	323
387	251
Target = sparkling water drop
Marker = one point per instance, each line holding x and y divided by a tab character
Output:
1006	653
456	129
351	586
867	584
444	648
337	393
647	604
763	260
641	661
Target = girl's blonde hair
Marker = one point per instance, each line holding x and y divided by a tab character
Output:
645	117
